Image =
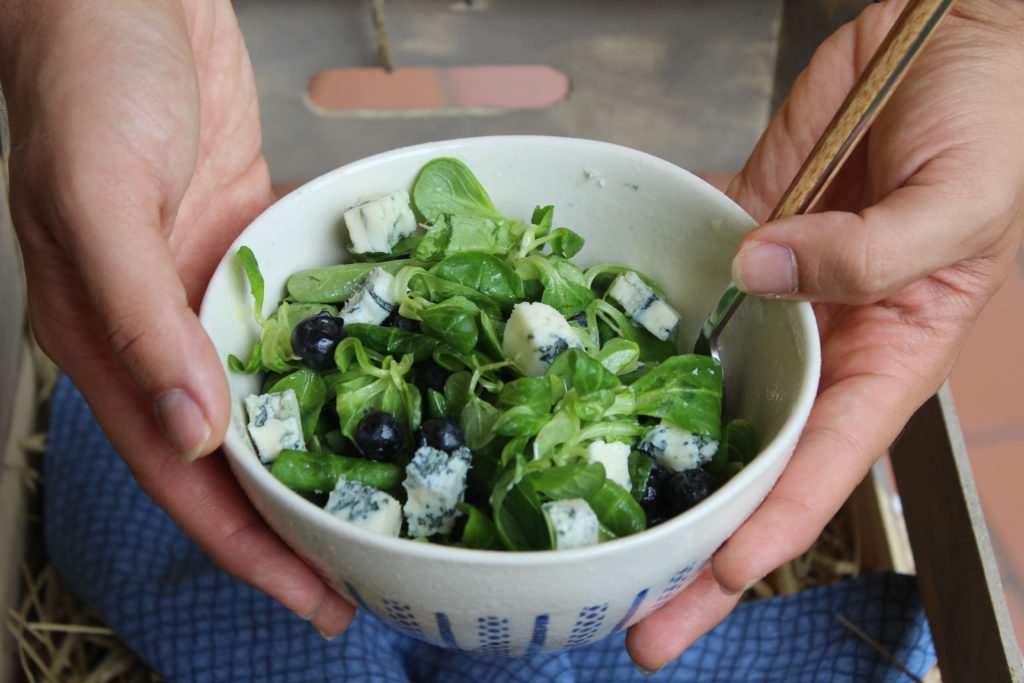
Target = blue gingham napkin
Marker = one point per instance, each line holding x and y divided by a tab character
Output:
192	622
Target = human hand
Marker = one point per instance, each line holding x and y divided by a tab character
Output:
135	163
913	238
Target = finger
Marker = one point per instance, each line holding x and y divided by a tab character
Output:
130	277
853	422
858	258
665	634
205	500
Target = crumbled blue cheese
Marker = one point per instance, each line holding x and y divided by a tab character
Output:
365	507
615	458
435	482
574	523
374	301
677	449
645	307
275	423
535	335
377	225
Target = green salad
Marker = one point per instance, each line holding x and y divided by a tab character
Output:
462	381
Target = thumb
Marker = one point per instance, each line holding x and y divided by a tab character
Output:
141	303
858	258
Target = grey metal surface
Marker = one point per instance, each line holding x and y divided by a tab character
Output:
689	80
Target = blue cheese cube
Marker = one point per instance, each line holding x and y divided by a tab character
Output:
615	458
535	335
574	523
374	301
366	507
436	483
377	225
677	449
645	307
275	424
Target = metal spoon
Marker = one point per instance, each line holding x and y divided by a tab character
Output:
866	99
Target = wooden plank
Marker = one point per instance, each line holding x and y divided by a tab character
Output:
957	572
14	501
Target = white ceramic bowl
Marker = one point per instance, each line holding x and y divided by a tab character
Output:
633	209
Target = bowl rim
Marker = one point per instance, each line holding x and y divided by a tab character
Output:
238	456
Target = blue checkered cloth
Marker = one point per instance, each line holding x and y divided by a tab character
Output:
192	622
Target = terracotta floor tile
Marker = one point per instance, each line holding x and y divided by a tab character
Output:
999	474
988	380
1015	602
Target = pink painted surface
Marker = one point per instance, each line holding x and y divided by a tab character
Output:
423	88
988	389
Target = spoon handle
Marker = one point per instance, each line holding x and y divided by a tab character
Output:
869	94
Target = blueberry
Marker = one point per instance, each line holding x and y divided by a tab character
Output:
689	487
442	434
580	319
315	338
401	322
655	499
379	436
430	375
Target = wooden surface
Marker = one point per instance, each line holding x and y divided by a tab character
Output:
957	574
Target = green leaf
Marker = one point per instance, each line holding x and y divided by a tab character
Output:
619	356
437	406
543	218
434	244
366	387
654	350
520	421
515	448
617	510
577	480
276	346
480	532
446	185
532	392
394	340
740	443
490	337
518	516
565	242
640	466
304	471
252	273
484	273
477	422
559	429
436	289
456	388
250	367
333	284
564	286
453	321
686	390
311	392
574	369
474	233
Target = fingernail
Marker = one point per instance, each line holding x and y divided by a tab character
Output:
765	268
183	423
326	636
648	672
732	591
